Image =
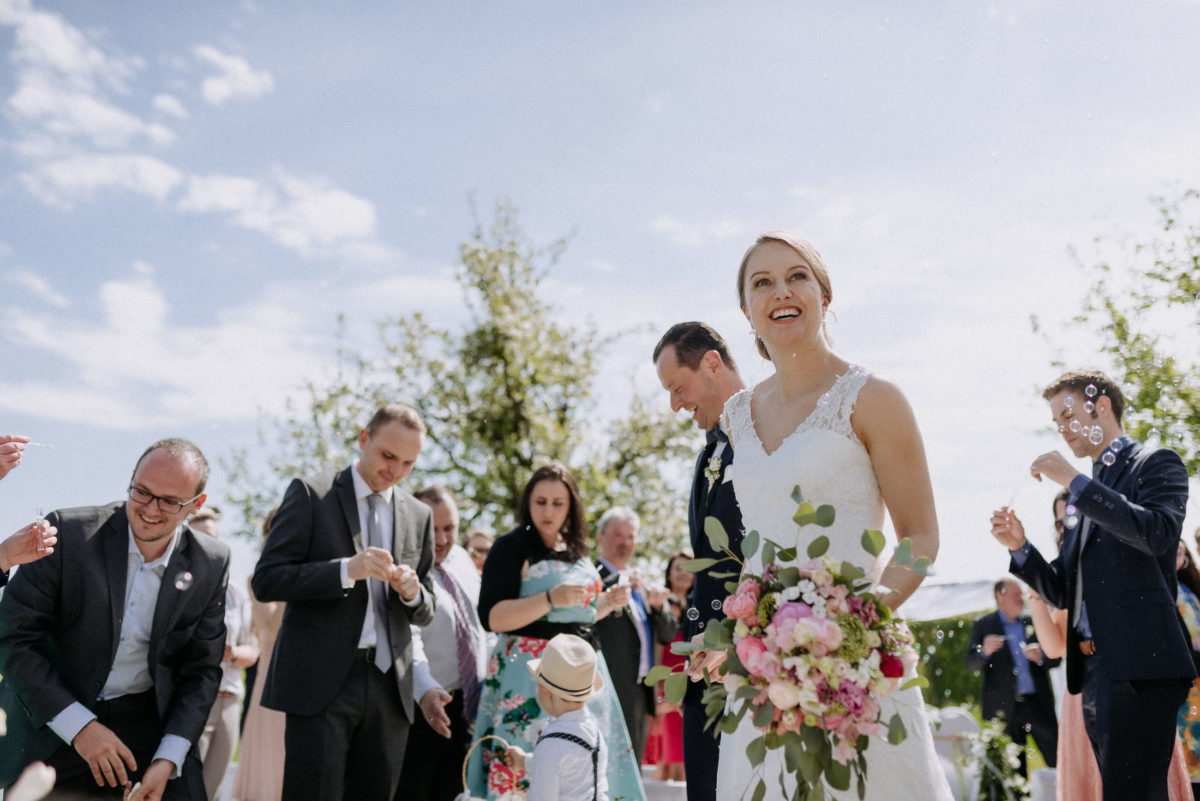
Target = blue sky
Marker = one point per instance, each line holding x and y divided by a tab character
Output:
191	192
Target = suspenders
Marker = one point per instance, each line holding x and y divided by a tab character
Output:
595	749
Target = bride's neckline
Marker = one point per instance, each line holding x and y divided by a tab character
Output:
800	426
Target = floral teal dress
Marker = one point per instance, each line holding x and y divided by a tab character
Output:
508	705
1189	713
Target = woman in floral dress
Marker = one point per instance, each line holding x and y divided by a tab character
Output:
538	582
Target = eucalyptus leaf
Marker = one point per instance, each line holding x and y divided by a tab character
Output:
763	715
904	552
825	515
896	731
786	555
723	575
684	648
789	576
922	566
675	686
696	565
873	541
750	544
769	552
756	751
818	547
915	681
805	514
717	536
657	674
797	495
759	791
838	775
731	586
852	572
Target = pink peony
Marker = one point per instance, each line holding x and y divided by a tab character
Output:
743	603
820	635
754	655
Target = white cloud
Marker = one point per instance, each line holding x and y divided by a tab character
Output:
307	216
695	234
47	44
69	113
61	183
171	105
236	78
136	369
39	287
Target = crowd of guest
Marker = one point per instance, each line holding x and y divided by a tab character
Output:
480	609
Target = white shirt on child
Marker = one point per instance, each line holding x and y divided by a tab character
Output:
560	770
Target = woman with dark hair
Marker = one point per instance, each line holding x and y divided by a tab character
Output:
1188	602
538	581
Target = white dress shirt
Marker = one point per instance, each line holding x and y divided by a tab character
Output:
560	770
130	672
387	524
435	647
237	632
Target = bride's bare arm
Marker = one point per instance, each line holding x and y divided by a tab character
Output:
885	423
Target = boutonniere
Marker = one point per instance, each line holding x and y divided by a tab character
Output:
712	470
1028	632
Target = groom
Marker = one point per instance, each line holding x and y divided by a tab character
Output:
696	370
1115	574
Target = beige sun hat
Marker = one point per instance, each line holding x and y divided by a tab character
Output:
567	668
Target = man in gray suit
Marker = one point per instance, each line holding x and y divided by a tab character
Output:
350	554
111	646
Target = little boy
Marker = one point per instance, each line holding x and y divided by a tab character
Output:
568	762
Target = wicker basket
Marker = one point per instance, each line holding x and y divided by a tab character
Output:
465	795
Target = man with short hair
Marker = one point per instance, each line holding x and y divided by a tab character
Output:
1016	679
111	646
220	736
698	373
627	636
450	662
1127	651
350	553
479	545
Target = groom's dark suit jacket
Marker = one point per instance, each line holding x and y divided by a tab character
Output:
718	502
1125	543
315	528
60	621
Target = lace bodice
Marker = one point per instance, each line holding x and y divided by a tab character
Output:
822	456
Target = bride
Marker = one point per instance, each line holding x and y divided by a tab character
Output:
846	439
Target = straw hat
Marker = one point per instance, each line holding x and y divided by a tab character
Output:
567	668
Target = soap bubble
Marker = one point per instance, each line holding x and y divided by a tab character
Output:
693	613
1090	390
1096	437
1075	426
1070	509
1108	458
1116	445
1071	521
183	581
1069	401
1089	407
716	605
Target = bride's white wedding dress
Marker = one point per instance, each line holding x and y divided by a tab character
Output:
830	465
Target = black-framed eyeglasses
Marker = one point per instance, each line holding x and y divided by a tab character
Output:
168	505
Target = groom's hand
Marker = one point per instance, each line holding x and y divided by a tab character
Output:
704	664
1008	529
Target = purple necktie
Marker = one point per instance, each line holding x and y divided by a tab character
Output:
464	640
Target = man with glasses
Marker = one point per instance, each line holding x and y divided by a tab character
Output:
111	646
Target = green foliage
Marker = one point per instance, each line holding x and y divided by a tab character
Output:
942	645
1134	304
509	390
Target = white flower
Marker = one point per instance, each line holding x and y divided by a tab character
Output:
790	593
783	694
712	470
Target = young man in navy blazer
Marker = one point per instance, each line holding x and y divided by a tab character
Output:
1127	651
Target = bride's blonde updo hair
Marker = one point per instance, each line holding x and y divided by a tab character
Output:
811	258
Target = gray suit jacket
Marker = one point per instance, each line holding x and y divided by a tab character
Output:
60	621
315	528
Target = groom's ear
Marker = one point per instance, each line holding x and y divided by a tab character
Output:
711	359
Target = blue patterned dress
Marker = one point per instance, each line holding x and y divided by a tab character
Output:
508	704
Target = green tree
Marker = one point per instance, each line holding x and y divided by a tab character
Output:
510	390
1146	309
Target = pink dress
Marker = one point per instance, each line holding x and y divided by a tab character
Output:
1078	773
260	766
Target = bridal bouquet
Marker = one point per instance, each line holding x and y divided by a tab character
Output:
809	653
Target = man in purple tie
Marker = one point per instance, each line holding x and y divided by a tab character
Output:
449	661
